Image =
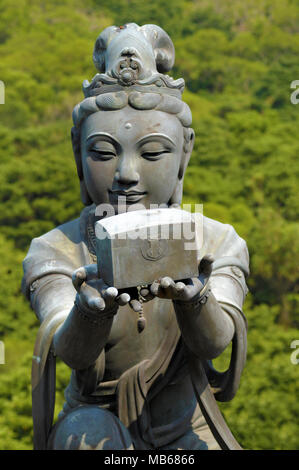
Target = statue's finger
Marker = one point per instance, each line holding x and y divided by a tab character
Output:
190	291
123	299
110	293
167	282
205	265
78	277
96	303
209	257
88	294
154	288
180	288
91	271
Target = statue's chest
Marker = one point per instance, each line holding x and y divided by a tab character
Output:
126	346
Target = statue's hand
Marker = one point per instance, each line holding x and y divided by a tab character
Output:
93	294
187	289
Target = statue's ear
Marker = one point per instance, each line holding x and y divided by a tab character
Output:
189	135
187	150
75	134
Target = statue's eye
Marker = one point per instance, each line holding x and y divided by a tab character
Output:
154	155
102	153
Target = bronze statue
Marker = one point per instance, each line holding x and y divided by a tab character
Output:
151	387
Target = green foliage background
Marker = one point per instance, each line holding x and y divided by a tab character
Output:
238	59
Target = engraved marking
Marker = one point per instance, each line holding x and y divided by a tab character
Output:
154	249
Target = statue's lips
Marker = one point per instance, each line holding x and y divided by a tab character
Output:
129	196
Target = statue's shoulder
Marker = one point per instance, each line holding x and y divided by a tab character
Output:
65	239
60	251
58	240
231	260
67	233
220	240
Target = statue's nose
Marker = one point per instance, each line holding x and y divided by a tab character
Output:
126	172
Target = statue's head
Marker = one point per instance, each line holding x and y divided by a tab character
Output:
131	136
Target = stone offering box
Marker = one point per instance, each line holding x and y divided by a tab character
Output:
136	248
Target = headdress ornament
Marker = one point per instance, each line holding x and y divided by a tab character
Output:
136	57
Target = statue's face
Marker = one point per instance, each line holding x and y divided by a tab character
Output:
132	155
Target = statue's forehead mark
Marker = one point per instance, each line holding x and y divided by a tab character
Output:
128	125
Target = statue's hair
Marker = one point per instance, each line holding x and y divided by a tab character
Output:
142	101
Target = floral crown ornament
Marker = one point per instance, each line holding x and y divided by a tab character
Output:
136	57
